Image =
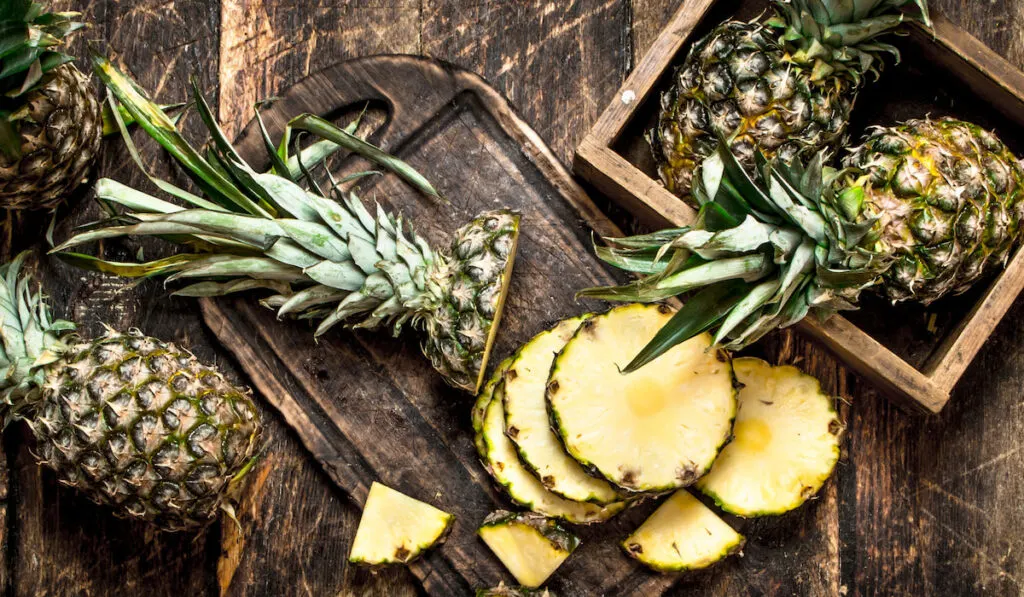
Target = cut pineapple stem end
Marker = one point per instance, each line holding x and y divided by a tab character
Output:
492	334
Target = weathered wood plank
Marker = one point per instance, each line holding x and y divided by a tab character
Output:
555	61
267	45
264	48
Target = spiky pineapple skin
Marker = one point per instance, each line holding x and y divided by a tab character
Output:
737	81
60	139
143	426
949	197
471	280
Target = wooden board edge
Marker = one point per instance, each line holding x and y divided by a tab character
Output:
437	575
538	152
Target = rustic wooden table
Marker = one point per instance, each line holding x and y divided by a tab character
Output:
920	506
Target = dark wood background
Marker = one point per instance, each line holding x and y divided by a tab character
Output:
920	506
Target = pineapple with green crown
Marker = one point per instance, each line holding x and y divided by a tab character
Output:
50	120
784	86
919	211
132	422
323	258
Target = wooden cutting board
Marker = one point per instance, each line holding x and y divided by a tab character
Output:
370	407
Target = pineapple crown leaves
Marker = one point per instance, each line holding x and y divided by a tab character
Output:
31	338
763	253
838	36
322	258
30	41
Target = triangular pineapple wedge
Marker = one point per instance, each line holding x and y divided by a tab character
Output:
785	442
530	546
396	529
682	534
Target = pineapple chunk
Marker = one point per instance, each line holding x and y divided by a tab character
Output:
652	430
502	461
786	442
528	425
682	534
396	528
530	546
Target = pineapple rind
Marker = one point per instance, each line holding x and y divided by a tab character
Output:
506	591
51	118
739	83
378	542
130	421
530	546
141	425
688	457
946	198
469	289
682	534
483	400
502	461
810	452
60	135
784	85
527	422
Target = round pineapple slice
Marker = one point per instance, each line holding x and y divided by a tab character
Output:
682	534
786	442
653	430
396	529
502	461
528	425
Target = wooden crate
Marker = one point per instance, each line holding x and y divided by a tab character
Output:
915	354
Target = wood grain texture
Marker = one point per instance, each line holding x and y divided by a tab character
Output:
918	507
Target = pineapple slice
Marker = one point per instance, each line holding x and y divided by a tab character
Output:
682	534
530	546
786	442
528	425
502	461
396	528
652	430
483	400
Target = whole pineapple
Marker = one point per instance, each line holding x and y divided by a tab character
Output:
323	257
920	211
784	86
132	422
948	197
50	121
